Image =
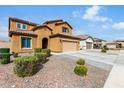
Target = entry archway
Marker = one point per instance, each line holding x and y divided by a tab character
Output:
44	43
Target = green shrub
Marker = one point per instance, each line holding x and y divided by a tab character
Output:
81	62
105	47
4	61
103	50
40	50
37	50
81	70
47	51
4	58
26	66
15	54
41	56
4	50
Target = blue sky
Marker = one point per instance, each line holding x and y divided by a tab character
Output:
106	22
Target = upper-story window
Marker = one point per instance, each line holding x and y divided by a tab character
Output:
21	26
64	30
24	26
18	25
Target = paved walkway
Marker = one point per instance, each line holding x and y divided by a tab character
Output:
116	77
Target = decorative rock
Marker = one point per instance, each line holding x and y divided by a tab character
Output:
57	72
13	86
26	80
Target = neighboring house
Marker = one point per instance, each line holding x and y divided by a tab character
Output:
120	42
4	44
54	34
98	43
86	42
112	45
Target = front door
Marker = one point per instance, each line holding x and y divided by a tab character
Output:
44	43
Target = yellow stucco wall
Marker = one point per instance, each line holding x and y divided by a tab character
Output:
58	28
55	44
16	44
42	33
13	26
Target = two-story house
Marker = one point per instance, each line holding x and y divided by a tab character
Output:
54	34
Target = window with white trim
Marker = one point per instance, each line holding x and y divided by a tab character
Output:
25	42
21	26
65	30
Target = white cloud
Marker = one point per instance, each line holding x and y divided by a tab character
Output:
104	26
118	26
3	32
91	12
75	13
102	18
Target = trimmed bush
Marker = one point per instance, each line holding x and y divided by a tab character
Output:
40	50
41	56
47	51
104	50
105	47
81	70
37	50
26	66
81	62
4	58
4	50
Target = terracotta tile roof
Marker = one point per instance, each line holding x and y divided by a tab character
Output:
111	43
120	40
64	23
83	37
41	26
25	32
98	39
22	21
52	21
58	22
66	36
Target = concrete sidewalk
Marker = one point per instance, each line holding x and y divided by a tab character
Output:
116	77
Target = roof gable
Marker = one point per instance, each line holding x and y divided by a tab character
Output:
52	21
22	21
41	26
64	23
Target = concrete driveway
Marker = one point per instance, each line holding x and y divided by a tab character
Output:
95	58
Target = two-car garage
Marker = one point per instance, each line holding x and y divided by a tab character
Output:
64	43
69	46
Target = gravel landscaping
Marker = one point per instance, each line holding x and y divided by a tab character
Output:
57	72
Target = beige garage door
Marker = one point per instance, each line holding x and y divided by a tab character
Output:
69	46
88	45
